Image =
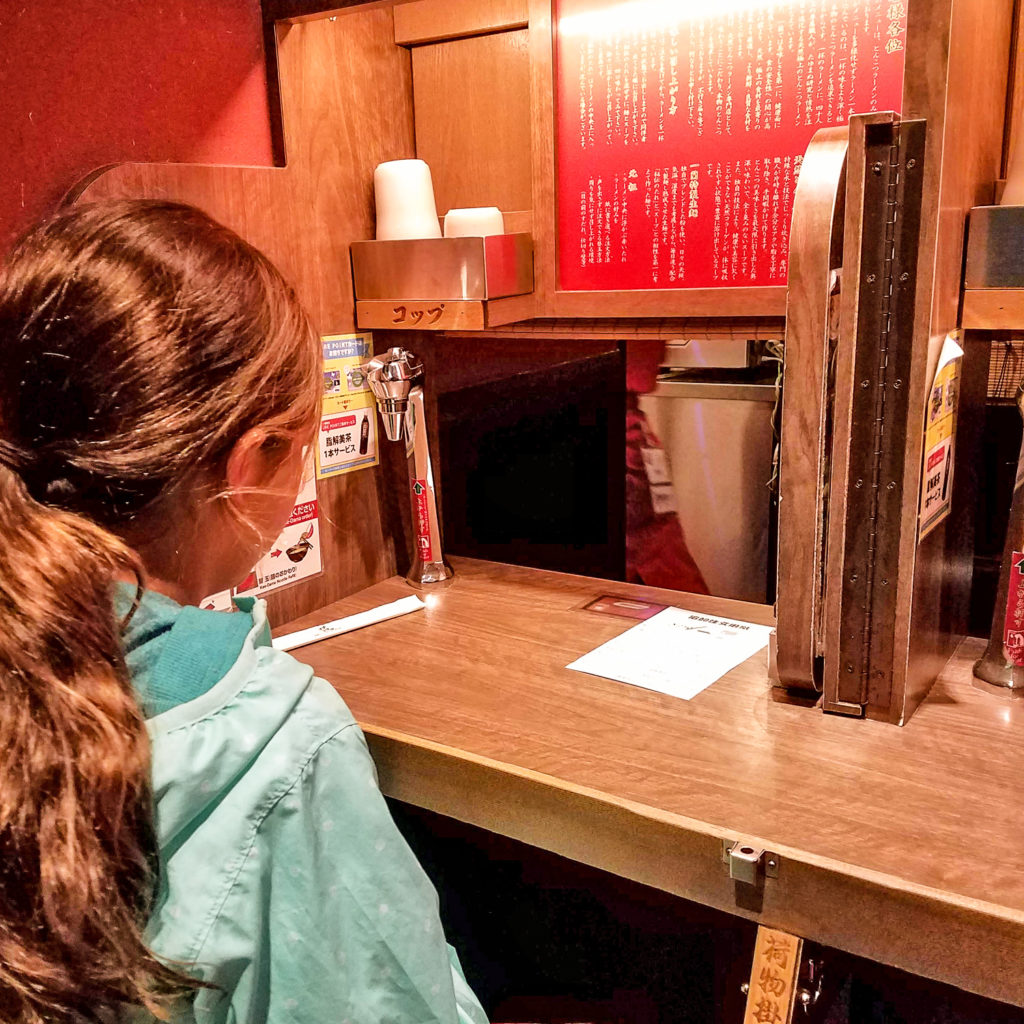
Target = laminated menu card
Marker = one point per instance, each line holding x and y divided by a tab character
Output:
676	652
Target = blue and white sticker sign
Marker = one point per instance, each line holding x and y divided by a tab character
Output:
347	433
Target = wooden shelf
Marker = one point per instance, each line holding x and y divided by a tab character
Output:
440	284
993	309
410	315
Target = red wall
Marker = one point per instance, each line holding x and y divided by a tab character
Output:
84	83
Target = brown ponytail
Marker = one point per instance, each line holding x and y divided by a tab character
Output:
76	849
137	341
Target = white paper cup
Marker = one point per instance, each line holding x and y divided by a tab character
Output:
474	221
404	195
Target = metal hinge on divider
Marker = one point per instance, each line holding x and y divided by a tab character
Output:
891	172
882	336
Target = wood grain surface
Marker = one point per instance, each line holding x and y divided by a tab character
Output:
956	78
993	309
426	21
411	315
542	154
471	99
902	845
303	216
814	253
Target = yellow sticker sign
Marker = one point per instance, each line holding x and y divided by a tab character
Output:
347	435
940	438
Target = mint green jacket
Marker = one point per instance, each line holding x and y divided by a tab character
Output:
285	882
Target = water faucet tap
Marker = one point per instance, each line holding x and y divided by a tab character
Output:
394	380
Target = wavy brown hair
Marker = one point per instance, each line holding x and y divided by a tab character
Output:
138	341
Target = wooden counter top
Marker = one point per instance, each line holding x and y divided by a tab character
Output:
901	844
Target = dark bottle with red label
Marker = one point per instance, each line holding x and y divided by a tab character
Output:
364	435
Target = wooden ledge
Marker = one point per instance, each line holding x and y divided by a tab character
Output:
901	845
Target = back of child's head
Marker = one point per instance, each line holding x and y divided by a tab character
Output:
138	341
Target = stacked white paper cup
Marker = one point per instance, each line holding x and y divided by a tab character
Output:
405	200
474	221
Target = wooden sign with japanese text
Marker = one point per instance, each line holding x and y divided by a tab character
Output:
773	978
425	315
681	128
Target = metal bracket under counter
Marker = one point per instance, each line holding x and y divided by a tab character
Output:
749	864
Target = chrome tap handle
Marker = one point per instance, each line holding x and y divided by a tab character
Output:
393	379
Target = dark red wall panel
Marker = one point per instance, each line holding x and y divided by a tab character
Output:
85	83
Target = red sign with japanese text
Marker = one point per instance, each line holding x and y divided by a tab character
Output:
303	512
681	126
1013	636
419	504
337	422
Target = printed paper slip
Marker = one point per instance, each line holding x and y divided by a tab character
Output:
403	606
677	652
347	439
940	438
347	436
294	556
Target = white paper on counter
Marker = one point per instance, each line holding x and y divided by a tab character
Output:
302	637
676	652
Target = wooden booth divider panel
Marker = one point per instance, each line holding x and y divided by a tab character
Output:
956	78
919	604
346	96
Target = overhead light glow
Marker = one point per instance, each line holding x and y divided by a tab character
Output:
645	15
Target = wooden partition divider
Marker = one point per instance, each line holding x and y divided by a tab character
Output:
956	77
815	268
347	105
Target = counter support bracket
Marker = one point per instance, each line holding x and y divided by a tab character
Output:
749	864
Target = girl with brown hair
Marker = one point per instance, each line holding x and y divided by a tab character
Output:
189	820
